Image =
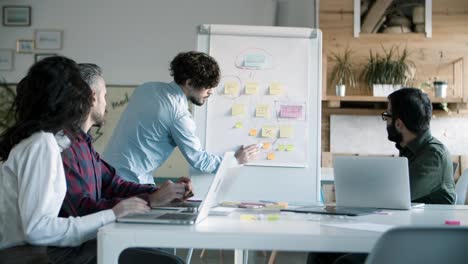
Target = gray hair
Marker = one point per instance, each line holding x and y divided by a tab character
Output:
90	72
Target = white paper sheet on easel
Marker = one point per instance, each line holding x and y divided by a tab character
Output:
362	226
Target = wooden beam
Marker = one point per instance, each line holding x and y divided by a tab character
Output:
374	15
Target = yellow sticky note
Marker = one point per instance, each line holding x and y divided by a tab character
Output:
290	147
251	88
276	88
262	110
252	132
248	217
271	156
286	131
281	147
238	110
269	131
238	124
273	217
231	88
266	145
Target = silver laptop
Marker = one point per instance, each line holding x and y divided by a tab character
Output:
187	216
373	182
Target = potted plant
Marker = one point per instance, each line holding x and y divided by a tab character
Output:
387	73
342	73
7	97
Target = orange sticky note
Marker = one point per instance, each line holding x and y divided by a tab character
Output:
271	156
266	145
253	132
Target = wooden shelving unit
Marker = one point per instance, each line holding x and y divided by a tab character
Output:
336	101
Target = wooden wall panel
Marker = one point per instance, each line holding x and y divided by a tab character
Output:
450	39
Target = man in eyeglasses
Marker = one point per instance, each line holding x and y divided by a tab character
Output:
408	119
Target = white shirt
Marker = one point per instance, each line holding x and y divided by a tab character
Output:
32	189
156	120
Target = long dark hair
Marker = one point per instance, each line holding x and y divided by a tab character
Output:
51	97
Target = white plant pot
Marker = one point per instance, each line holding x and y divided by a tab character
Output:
384	89
419	15
440	89
340	90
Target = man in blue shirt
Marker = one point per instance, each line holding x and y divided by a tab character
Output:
157	120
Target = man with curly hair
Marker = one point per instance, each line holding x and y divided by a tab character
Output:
157	120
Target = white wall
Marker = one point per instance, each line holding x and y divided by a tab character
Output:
368	134
133	41
297	13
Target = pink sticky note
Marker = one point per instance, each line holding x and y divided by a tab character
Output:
290	111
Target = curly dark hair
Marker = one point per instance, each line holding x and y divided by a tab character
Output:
202	69
51	97
413	107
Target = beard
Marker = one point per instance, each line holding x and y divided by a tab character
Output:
196	101
393	134
98	119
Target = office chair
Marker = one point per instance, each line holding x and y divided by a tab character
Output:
428	245
461	187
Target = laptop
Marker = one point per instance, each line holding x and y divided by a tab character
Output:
372	182
189	215
364	185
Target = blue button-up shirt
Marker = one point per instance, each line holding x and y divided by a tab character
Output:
155	121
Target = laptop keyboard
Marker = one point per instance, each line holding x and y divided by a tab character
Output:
173	216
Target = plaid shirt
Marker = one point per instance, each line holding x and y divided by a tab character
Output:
92	184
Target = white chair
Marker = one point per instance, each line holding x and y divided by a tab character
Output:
461	187
428	245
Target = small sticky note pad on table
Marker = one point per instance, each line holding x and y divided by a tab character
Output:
281	147
238	110
269	131
262	110
276	88
266	145
286	131
231	88
251	88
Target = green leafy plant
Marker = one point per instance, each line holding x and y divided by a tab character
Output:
393	67
7	97
342	72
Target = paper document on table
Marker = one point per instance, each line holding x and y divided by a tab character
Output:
362	226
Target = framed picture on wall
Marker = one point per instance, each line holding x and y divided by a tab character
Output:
40	56
48	39
17	16
24	45
6	60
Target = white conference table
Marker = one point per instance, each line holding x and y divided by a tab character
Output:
292	232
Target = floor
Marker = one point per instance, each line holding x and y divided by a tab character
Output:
255	257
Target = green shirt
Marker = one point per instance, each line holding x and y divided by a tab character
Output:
430	170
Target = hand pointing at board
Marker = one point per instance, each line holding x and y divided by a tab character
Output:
246	154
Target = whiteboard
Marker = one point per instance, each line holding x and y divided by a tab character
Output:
269	93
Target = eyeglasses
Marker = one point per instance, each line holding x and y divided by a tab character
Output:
386	116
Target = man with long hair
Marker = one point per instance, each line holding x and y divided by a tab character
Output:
157	119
